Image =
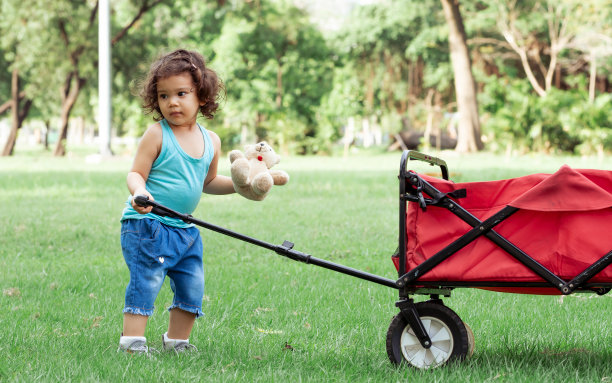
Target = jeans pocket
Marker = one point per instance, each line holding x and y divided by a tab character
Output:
151	229
129	226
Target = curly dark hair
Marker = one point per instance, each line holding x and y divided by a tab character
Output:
210	88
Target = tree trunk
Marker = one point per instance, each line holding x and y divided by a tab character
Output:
430	117
10	141
46	135
17	114
592	76
369	94
468	139
279	84
69	96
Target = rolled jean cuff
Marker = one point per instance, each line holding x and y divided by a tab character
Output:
137	311
190	309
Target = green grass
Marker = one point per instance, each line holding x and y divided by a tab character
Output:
62	278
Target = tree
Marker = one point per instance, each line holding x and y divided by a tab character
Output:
593	36
468	135
19	104
65	31
277	68
18	112
76	48
398	54
534	29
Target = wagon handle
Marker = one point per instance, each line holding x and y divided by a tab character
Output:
286	249
433	161
143	200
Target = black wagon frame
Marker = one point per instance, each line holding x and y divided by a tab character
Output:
414	188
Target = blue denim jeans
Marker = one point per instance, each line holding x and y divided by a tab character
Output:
153	250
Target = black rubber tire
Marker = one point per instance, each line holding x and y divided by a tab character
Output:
458	341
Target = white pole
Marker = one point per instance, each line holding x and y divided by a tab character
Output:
104	78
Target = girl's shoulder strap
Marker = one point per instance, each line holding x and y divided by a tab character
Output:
164	125
166	139
209	151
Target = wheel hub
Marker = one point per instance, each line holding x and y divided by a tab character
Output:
441	344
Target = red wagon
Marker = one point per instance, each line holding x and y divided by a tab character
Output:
538	234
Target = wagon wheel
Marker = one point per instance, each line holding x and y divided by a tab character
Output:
450	339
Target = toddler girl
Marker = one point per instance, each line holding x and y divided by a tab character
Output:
175	162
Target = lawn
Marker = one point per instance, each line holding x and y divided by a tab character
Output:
268	318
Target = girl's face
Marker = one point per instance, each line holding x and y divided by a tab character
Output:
178	100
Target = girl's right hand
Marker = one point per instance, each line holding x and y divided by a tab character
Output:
141	209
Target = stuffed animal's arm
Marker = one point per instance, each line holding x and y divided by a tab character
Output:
235	154
280	177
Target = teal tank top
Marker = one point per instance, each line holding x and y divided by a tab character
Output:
176	179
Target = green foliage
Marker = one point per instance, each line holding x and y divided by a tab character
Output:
389	54
276	67
345	100
296	85
593	122
24	26
564	121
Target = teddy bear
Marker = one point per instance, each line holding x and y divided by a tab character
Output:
251	172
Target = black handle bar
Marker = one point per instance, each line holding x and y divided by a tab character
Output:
286	249
159	209
433	161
